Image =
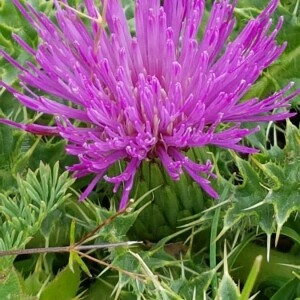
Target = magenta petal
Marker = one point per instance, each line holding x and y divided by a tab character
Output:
33	128
154	95
91	186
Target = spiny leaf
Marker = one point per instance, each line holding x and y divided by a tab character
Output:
64	286
271	186
227	290
245	196
10	285
105	286
198	285
284	196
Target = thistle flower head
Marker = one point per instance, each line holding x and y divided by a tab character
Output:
150	94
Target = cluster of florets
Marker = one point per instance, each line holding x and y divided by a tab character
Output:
153	94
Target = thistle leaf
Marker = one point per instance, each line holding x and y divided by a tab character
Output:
64	286
10	285
271	192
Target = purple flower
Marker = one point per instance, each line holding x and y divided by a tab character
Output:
150	95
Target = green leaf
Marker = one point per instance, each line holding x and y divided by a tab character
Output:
10	285
227	289
21	216
19	150
291	233
45	187
119	227
125	261
50	152
271	186
197	286
277	271
284	195
105	286
72	232
287	291
287	67
251	278
34	282
81	263
246	196
15	147
64	286
11	21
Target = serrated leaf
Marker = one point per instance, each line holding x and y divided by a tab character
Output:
10	285
271	186
284	196
227	289
64	286
105	286
33	283
246	196
197	286
125	261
